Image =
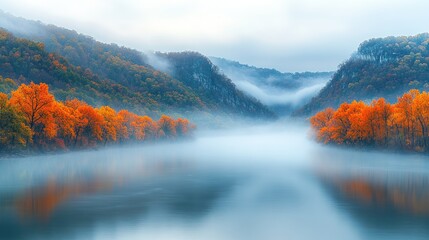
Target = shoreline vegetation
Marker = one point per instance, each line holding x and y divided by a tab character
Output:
32	121
403	125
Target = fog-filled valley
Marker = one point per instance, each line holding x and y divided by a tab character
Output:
281	92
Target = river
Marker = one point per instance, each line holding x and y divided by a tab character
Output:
265	182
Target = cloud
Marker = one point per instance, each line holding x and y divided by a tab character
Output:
157	62
290	35
270	97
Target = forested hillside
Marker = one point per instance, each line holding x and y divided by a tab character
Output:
266	76
22	61
382	67
281	92
130	70
215	89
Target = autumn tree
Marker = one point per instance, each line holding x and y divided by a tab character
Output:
166	127
88	125
127	118
145	128
112	125
66	121
183	127
32	115
343	119
404	119
421	112
13	131
36	104
382	112
404	124
321	122
356	132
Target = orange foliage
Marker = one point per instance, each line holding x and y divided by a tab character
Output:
166	127
61	125
111	124
404	124
37	105
144	127
320	123
65	120
183	126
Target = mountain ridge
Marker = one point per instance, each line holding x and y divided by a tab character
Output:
381	67
282	92
128	68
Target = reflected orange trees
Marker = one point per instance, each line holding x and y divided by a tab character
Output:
43	201
410	194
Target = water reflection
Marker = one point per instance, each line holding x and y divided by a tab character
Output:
60	195
386	194
42	201
411	195
242	185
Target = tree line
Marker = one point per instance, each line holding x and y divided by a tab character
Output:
381	67
98	73
33	118
402	125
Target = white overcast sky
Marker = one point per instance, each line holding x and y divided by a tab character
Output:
290	35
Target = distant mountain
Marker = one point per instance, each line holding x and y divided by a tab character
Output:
382	67
155	90
281	92
215	89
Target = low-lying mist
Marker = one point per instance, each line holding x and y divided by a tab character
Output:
157	62
250	182
245	144
282	92
279	96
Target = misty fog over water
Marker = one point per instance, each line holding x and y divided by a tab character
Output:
275	96
265	182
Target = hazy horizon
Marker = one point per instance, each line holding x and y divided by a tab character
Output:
291	35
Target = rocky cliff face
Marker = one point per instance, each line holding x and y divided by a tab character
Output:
382	67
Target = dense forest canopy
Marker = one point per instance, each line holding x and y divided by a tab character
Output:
403	125
152	91
25	61
382	67
215	89
32	118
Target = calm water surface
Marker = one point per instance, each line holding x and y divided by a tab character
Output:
256	183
